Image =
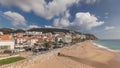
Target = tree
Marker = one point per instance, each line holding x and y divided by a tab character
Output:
48	44
61	41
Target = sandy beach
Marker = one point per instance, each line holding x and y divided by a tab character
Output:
80	55
84	55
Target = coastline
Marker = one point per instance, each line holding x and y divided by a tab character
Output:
115	61
104	47
80	55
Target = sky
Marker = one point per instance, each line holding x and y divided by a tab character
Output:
98	17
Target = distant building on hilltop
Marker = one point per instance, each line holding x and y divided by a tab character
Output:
1	33
33	33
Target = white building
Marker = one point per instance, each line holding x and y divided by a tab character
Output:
83	37
59	38
68	38
20	40
1	33
7	44
31	42
78	36
33	33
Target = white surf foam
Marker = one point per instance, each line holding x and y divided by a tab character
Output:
101	46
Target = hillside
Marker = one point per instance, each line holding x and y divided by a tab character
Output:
45	30
8	30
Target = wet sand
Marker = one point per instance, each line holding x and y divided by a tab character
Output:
84	55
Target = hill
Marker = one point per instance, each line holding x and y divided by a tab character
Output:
52	30
45	30
8	30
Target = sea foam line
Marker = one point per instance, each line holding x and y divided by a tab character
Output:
103	47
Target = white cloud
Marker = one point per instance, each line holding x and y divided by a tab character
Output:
106	13
82	21
15	18
106	17
41	7
61	22
109	27
86	20
113	33
33	26
89	1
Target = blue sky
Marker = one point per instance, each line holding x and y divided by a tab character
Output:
99	17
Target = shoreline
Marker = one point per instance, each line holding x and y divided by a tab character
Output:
115	61
79	55
104	47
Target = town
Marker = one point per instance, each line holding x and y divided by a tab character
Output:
16	46
36	41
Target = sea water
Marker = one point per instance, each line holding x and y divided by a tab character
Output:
113	45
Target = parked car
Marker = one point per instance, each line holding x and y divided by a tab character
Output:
8	51
58	46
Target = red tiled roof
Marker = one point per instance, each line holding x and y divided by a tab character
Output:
40	41
5	37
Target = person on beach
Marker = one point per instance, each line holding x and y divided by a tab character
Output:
58	54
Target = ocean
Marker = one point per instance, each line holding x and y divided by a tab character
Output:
112	45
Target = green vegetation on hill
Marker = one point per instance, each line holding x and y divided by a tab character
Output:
52	30
45	30
19	30
6	30
91	37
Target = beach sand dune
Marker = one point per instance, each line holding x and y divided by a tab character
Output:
83	55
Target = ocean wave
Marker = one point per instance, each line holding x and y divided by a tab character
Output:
103	47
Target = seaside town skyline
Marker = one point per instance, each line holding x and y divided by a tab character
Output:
99	17
59	34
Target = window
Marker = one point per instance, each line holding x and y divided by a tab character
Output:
4	47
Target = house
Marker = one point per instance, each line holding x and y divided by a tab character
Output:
82	37
58	38
33	33
1	33
68	38
6	43
20	40
78	36
32	41
41	41
20	34
26	40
